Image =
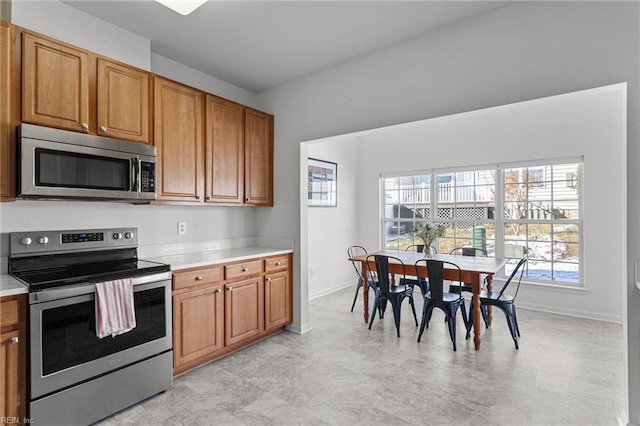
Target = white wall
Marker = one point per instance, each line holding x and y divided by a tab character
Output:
572	125
332	229
64	23
157	224
526	50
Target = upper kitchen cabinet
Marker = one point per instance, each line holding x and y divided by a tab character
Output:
69	88
178	137
55	84
224	151
7	111
123	101
258	158
238	154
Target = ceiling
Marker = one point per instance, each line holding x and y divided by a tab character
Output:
258	45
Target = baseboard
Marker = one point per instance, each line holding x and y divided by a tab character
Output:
324	292
299	329
570	312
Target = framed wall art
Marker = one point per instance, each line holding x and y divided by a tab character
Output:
322	189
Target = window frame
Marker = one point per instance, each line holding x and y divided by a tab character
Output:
499	221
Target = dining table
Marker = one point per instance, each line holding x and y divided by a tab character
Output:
474	270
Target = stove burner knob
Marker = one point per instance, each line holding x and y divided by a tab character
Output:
128	235
117	236
25	241
43	240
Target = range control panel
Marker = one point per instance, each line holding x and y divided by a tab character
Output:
50	242
82	237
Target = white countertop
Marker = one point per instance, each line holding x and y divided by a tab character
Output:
206	258
10	286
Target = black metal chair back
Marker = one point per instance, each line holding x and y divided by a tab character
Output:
518	270
355	251
435	273
469	251
419	248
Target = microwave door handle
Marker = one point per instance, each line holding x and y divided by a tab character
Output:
135	170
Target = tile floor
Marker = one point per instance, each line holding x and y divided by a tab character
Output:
568	371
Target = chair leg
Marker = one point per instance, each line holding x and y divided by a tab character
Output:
396	315
356	296
376	301
413	309
483	310
426	313
469	322
508	312
451	322
465	319
382	308
515	320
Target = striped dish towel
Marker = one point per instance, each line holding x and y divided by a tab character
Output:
115	313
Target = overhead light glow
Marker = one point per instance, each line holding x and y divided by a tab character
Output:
183	7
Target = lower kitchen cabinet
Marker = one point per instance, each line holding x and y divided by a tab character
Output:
198	324
222	308
12	358
277	300
244	310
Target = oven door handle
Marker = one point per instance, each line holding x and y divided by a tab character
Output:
139	283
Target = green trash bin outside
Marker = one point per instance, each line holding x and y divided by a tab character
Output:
480	237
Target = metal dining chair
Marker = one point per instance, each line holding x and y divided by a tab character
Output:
355	251
386	292
436	297
504	302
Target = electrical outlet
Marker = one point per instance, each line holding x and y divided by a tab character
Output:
182	228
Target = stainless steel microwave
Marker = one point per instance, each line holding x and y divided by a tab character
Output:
59	164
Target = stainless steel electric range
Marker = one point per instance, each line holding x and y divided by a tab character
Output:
75	377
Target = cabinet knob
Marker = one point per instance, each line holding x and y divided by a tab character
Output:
230	288
199	278
84	125
218	290
268	280
103	129
14	340
244	269
197	197
277	263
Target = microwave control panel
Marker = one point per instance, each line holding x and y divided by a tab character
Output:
147	176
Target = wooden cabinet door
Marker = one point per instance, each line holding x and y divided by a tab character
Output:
277	300
198	328
123	102
178	137
55	84
10	374
244	310
224	151
258	158
7	118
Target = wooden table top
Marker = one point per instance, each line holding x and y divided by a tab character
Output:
479	264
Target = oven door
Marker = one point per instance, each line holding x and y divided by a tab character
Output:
65	349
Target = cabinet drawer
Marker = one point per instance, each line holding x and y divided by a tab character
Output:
9	313
276	263
192	278
243	269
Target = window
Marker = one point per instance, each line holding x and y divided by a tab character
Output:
511	211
